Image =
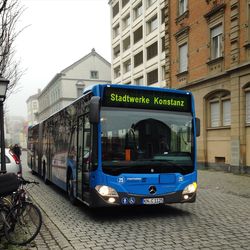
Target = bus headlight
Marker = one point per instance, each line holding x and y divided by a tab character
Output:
106	191
190	189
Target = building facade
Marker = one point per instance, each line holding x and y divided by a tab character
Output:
70	83
32	109
138	42
210	56
16	131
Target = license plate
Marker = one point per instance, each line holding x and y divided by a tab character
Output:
152	201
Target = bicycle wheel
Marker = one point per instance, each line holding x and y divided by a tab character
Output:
4	210
23	223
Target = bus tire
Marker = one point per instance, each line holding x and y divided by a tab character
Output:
70	190
45	180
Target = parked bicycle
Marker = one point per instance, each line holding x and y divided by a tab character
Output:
21	219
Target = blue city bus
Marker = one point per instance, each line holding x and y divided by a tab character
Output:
120	145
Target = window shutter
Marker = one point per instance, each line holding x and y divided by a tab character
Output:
216	31
183	58
215	114
226	113
247	107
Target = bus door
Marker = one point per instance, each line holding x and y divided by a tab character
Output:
83	157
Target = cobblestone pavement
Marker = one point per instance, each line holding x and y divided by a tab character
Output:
220	219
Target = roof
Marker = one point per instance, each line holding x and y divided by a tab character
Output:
58	75
92	53
33	97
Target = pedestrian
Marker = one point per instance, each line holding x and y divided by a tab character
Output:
17	151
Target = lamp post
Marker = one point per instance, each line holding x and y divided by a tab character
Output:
3	89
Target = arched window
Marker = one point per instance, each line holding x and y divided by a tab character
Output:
219	109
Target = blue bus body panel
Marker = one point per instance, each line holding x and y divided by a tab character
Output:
138	184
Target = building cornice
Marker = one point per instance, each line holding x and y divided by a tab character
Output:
87	80
55	78
32	97
242	66
214	10
184	30
217	76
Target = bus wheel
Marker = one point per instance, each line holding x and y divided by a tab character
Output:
70	190
45	180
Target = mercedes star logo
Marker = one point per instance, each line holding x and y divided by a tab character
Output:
152	189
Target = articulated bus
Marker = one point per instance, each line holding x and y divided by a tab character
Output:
120	145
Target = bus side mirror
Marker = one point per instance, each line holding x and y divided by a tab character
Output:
198	126
94	109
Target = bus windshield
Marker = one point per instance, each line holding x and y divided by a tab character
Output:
146	141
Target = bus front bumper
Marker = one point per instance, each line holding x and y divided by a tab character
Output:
125	199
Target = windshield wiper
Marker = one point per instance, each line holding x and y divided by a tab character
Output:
168	163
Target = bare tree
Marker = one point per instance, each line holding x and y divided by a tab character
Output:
10	12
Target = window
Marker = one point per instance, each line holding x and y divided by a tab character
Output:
152	50
116	51
138	59
127	66
139	81
34	105
150	2
116	9
248	107
94	74
126	22
163	15
126	43
183	59
117	72
138	11
215	114
116	31
138	35
226	108
152	77
124	2
182	6
220	110
216	42
79	92
163	43
152	24
163	72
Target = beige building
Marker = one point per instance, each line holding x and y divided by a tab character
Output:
70	83
210	55
138	42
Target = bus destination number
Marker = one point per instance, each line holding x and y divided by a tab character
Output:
152	201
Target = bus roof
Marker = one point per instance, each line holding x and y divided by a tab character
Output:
97	88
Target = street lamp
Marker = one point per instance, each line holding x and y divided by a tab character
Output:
3	89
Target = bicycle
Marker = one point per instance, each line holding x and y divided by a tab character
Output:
23	220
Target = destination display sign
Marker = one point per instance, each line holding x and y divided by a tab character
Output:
146	99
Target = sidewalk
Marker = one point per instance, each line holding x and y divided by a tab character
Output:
51	237
235	184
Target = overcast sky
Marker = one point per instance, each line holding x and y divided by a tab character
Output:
59	33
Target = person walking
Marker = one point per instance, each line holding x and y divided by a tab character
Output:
17	151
